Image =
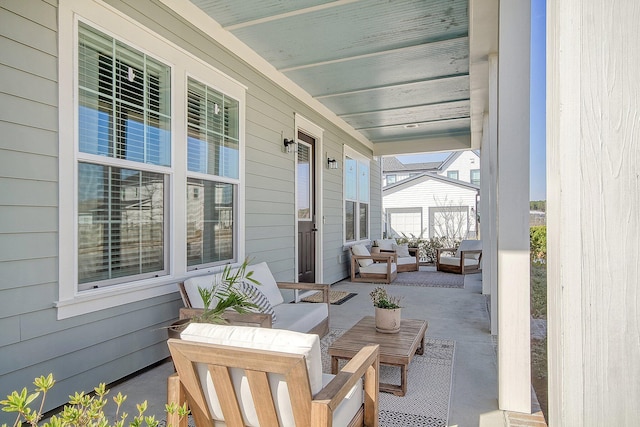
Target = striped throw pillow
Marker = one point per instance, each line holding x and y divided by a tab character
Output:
258	298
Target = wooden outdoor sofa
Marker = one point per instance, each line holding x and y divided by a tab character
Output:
300	317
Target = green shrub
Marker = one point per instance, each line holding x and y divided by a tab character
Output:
427	248
83	410
538	243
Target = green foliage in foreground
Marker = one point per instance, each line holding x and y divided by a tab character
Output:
83	410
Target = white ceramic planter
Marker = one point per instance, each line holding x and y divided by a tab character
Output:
388	320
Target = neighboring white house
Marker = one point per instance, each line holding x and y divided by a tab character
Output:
430	205
462	165
432	199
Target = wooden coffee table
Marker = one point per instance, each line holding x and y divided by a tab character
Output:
395	349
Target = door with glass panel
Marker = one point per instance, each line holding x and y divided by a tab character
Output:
305	201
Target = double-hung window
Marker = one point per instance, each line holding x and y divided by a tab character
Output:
150	161
356	204
124	146
212	163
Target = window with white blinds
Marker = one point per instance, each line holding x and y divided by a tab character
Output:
124	145
213	170
356	205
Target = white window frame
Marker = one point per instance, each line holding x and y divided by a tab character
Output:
360	159
114	23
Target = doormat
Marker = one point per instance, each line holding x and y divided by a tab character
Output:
335	297
429	383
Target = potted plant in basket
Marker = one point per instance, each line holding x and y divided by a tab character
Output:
388	311
224	292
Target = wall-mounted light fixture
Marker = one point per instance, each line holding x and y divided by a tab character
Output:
290	145
332	163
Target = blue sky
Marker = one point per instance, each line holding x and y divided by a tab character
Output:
537	134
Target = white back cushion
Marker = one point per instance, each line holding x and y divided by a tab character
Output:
192	284
470	245
264	339
402	250
268	284
386	244
362	250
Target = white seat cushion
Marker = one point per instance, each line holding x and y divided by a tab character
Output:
378	268
449	260
406	260
361	250
299	317
264	339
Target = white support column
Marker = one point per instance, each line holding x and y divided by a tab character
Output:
488	194
514	378
593	219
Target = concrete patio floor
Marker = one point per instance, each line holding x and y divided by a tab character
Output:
455	314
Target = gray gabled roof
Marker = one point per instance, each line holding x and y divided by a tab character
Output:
392	164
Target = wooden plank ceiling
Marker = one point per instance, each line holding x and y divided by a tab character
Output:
395	70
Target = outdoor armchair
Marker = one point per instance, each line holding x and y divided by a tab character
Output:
466	258
243	376
368	267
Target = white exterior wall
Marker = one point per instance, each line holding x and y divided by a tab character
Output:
466	161
431	193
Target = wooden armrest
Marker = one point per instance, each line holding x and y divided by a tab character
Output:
334	392
262	320
308	287
386	257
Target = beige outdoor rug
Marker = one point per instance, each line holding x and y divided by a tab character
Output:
432	279
430	377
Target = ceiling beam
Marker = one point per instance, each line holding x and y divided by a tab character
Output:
424	145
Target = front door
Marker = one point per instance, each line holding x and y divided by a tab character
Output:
306	215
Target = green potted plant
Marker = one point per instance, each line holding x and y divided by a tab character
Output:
225	294
388	311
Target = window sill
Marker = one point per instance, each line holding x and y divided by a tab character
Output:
99	299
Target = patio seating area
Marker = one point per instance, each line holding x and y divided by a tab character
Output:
457	314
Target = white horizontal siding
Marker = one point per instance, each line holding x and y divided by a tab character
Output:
430	193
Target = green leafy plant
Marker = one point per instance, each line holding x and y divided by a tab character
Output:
226	295
382	299
82	410
538	243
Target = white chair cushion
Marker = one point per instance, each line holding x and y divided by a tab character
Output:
468	262
386	244
268	284
264	339
351	404
402	250
361	250
378	268
407	260
470	245
299	317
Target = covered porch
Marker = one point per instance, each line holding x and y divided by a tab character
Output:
458	315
